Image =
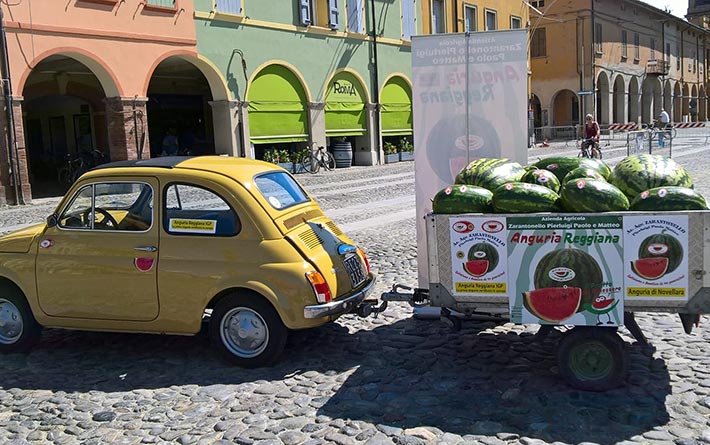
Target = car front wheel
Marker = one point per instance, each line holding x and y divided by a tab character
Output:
247	330
19	330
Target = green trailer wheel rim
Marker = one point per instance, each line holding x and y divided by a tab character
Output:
591	360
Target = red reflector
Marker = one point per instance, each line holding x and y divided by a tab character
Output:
364	258
320	287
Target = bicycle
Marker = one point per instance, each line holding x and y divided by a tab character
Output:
589	148
654	128
318	158
79	164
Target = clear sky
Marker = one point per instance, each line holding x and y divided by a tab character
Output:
677	7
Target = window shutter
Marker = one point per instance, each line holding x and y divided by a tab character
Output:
306	12
230	6
333	8
355	23
408	19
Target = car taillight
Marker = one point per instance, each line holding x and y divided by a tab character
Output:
320	287
364	258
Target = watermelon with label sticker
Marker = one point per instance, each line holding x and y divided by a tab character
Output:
553	304
476	268
650	268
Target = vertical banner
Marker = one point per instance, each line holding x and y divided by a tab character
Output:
566	269
656	257
469	102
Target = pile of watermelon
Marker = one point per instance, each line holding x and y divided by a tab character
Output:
642	182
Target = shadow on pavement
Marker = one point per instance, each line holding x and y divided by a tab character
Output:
481	380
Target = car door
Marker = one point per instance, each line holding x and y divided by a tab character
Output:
99	260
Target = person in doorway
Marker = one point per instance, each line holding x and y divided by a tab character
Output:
170	143
592	133
665	120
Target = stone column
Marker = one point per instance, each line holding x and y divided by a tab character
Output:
225	117
127	122
369	155
316	122
15	187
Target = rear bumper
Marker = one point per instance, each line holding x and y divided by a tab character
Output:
342	305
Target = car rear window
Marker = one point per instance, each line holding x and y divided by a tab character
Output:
280	190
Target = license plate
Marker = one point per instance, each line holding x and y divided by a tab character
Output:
355	270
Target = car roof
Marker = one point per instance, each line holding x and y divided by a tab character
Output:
237	168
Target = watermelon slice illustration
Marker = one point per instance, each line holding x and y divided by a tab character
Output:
553	304
650	268
602	304
476	268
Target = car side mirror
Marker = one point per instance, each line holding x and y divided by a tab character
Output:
52	220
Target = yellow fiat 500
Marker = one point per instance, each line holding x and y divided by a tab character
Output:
162	245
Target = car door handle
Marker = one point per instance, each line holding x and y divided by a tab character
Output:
146	249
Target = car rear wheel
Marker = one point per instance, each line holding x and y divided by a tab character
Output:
247	330
19	330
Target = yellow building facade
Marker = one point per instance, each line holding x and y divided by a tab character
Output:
447	16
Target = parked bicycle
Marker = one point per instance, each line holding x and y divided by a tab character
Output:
589	148
655	127
319	157
78	164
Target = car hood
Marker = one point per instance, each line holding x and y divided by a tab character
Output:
20	241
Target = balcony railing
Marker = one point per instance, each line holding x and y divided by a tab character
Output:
657	67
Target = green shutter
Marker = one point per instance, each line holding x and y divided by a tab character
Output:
277	107
396	113
163	3
345	100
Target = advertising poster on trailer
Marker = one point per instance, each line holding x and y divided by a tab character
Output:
566	269
655	263
479	256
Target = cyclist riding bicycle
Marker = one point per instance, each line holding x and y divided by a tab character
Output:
591	136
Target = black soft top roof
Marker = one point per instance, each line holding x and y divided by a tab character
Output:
162	162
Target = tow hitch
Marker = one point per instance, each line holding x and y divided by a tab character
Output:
370	307
416	297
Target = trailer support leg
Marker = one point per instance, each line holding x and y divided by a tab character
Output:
633	327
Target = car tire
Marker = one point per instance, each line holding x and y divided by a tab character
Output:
19	330
247	330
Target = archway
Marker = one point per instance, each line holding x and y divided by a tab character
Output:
619	100
693	104
345	114
650	99
677	103
603	105
178	104
396	111
64	118
565	109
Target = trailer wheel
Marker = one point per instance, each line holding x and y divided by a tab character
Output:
592	359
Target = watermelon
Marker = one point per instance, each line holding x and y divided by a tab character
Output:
476	268
637	173
542	177
561	165
601	305
583	172
553	304
650	268
521	197
570	268
490	173
662	245
592	195
669	198
461	198
484	252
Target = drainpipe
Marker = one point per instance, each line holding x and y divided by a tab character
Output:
594	64
13	155
375	81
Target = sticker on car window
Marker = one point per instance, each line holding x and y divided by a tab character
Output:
275	202
193	225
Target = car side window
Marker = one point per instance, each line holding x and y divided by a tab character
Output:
194	210
116	206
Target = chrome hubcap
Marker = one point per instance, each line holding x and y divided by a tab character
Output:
244	332
11	325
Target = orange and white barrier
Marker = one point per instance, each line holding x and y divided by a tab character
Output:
622	127
689	124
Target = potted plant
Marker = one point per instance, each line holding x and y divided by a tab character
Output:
279	157
406	150
297	158
391	154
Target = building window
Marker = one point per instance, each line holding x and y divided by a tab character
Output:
229	7
538	4
470	13
668	53
624	44
409	19
653	50
515	22
636	46
491	20
355	22
161	3
677	57
538	43
598	38
438	17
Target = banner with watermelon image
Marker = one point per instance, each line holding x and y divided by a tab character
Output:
655	260
566	269
478	256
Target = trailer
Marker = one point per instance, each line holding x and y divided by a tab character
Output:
592	273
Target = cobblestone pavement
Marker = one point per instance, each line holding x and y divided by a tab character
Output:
392	379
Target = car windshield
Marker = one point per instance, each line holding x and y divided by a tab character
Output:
280	190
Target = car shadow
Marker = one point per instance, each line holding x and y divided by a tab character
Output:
485	379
